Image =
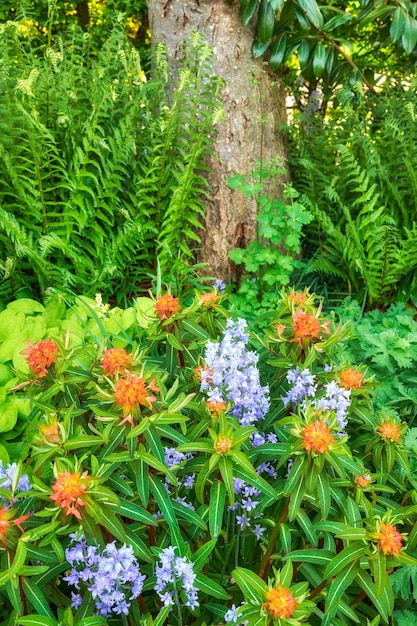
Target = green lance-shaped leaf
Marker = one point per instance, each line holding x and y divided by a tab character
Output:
248	9
312	555
409	36
340	583
200	557
397	24
160	494
36	620
382	603
346	556
36	598
319	59
252	587
216	507
312	12
208	585
266	21
277	52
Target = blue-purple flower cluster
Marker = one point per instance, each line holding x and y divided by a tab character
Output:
112	575
245	505
175	575
329	397
8	477
173	458
231	375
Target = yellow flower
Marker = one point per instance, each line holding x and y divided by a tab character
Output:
317	437
280	603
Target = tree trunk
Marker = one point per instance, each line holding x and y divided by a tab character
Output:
254	105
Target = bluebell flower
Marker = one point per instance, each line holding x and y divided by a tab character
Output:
7	477
336	399
303	386
219	285
232	375
175	574
110	575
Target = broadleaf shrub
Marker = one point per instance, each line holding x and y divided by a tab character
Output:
168	472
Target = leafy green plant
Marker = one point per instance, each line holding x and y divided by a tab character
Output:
385	341
101	170
355	172
269	260
169	472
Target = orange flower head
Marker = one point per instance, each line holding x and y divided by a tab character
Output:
390	540
216	408
306	326
209	300
390	431
317	437
40	356
280	603
297	298
131	392
166	306
351	379
6	521
69	490
223	444
115	360
363	480
50	432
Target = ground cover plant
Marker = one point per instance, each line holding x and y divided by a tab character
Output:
164	472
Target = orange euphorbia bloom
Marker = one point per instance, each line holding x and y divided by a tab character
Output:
390	540
131	392
69	490
216	408
6	521
40	356
223	444
317	437
390	431
209	299
166	306
115	360
50	432
280	603
297	298
363	480
351	379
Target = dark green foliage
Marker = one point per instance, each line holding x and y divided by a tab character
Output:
100	170
357	171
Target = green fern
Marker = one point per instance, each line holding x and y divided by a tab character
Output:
101	171
357	172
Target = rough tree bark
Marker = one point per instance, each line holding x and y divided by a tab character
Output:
254	104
